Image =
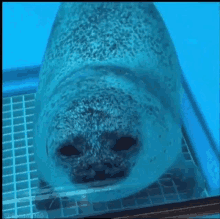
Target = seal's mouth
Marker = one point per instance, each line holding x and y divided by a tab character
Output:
103	178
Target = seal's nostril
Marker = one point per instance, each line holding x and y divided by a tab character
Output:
69	150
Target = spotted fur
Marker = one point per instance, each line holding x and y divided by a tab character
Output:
108	68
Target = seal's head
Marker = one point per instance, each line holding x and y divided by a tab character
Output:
107	121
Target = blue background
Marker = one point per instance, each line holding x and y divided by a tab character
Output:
194	28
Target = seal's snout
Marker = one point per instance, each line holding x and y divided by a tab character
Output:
112	164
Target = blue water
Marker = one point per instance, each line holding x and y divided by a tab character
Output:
194	29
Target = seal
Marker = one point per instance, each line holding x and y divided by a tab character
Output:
107	121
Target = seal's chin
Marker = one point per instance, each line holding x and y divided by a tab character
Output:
104	183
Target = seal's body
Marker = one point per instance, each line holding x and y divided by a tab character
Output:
108	103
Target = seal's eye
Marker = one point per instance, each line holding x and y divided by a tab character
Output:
118	142
124	143
69	150
72	147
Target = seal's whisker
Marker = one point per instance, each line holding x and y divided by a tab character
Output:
52	202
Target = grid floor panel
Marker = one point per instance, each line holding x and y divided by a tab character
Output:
20	175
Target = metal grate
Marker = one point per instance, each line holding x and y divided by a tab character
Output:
20	175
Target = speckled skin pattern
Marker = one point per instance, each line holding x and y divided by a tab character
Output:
110	70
